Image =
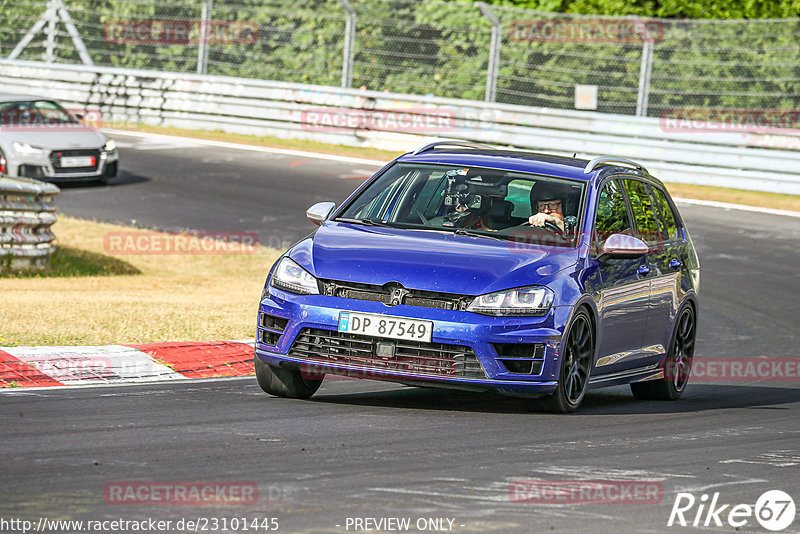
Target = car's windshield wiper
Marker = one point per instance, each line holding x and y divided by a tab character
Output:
464	231
368	222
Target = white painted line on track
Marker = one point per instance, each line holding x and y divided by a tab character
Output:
94	365
741	207
254	148
39	391
348	159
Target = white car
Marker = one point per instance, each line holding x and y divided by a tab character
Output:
40	139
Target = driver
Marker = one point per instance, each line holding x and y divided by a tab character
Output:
547	202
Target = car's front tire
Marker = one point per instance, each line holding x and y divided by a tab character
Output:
576	366
678	364
109	173
283	382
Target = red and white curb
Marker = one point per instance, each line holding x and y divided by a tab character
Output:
119	364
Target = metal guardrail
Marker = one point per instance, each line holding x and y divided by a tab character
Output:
455	49
738	159
27	214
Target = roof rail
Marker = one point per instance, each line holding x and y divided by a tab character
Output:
606	160
465	144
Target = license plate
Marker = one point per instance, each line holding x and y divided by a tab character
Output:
370	324
77	161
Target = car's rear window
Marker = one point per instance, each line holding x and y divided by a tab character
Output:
666	218
487	202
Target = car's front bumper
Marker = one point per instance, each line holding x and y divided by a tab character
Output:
481	334
42	167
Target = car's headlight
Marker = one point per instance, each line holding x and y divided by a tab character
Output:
291	277
530	301
27	149
110	145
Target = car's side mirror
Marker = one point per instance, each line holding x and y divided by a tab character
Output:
319	212
623	246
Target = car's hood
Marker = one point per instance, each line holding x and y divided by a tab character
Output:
430	261
64	137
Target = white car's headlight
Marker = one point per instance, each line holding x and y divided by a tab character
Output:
530	301
28	150
110	145
291	277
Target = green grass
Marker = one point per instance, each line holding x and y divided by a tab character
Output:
70	262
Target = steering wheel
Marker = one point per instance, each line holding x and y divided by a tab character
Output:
548	225
553	227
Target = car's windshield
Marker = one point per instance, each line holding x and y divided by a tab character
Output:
34	112
474	200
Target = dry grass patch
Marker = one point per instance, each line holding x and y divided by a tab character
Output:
736	196
105	301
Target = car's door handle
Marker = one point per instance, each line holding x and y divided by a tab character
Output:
675	263
643	270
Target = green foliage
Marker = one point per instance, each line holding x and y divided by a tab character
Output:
692	9
442	48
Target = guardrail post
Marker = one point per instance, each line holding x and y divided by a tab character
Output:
202	48
644	78
349	44
52	18
494	52
55	10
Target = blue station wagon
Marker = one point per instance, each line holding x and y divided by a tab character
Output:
463	266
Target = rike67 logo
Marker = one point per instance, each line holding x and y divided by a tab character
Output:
774	510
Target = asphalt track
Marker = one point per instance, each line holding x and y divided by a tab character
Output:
362	449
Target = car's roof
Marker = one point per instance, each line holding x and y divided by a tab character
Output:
13	97
518	161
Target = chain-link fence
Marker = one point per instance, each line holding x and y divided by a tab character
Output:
450	49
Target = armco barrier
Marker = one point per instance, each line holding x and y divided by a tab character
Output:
26	217
765	160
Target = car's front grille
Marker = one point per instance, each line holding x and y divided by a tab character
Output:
521	358
31	171
394	294
270	328
409	357
56	157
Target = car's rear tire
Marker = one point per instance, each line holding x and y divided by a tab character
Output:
677	365
576	366
283	382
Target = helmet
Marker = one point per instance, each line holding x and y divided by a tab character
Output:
542	191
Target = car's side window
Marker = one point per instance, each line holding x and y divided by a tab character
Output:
612	213
643	213
666	218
